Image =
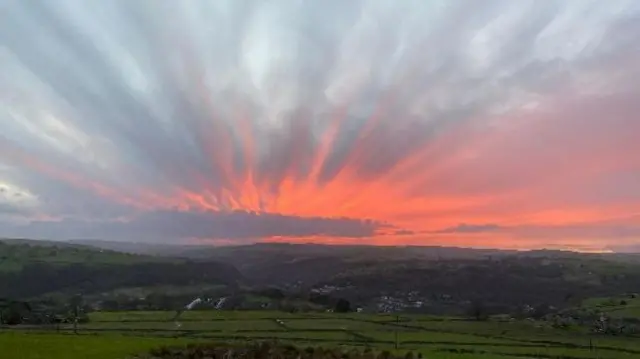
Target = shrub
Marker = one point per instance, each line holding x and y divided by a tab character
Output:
265	350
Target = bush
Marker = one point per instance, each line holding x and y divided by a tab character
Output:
12	318
265	350
342	306
478	311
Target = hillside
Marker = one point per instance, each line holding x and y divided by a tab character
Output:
33	269
18	253
627	306
253	252
283	263
143	248
502	284
423	279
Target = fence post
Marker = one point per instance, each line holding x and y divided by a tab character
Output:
396	332
75	320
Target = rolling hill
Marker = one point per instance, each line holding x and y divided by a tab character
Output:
32	269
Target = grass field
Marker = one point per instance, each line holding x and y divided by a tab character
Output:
615	307
119	334
16	345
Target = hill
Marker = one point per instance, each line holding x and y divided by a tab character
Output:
627	306
17	253
432	280
143	248
284	263
251	252
33	269
500	285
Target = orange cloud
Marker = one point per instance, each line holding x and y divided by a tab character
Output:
509	174
477	130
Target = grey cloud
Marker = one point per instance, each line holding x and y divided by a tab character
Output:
603	230
471	228
107	104
171	225
6	209
626	248
104	102
404	232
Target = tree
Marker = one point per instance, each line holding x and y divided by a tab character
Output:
272	293
14	312
541	310
342	306
320	299
478	311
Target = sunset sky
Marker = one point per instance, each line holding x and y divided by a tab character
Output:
509	124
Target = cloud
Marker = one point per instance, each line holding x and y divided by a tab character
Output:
470	228
388	121
199	225
634	248
403	232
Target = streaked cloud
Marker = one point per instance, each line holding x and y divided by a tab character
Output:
412	122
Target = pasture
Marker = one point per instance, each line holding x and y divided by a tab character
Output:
616	307
123	333
18	345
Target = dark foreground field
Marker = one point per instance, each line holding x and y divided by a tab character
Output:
122	334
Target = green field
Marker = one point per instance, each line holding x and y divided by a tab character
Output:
615	307
61	346
117	334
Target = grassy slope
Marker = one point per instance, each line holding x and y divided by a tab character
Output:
615	307
31	269
14	255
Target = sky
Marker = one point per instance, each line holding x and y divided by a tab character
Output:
492	123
